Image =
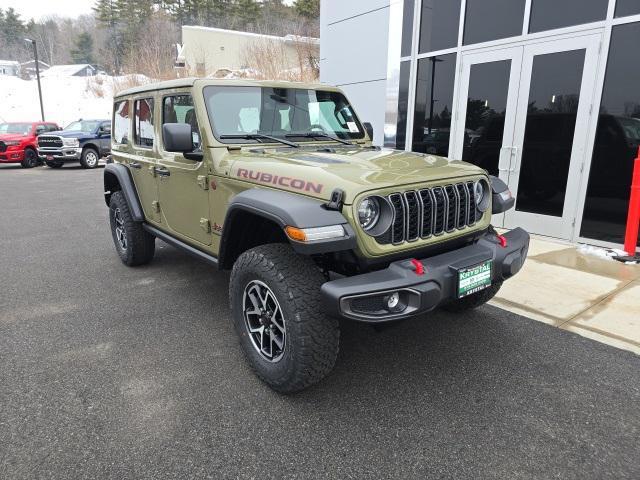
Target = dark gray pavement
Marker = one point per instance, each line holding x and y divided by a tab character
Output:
112	372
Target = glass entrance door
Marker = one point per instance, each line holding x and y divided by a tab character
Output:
519	109
550	137
486	108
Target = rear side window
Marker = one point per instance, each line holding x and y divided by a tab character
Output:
143	123
121	122
180	109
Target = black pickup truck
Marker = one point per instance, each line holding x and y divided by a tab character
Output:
84	141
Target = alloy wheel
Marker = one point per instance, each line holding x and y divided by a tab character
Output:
91	158
121	233
264	320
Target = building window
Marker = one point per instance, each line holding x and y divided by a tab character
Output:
617	140
121	122
488	20
434	101
550	14
407	28
439	24
143	123
403	105
627	7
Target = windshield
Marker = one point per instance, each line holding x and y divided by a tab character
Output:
18	128
279	112
631	127
83	126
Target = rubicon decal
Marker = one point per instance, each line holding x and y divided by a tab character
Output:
287	182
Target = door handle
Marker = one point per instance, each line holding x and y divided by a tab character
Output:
513	161
135	165
163	172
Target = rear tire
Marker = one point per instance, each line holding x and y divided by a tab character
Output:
89	158
30	159
474	300
134	245
293	318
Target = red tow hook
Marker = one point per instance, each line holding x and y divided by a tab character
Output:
418	266
502	240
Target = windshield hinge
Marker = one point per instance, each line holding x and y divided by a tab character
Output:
337	200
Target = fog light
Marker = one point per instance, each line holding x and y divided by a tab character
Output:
393	300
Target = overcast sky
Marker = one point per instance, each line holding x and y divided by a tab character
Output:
43	8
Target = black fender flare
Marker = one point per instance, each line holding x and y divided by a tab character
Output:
118	175
289	209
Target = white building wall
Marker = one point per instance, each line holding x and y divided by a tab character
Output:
353	55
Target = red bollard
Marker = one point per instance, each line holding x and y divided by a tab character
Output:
633	219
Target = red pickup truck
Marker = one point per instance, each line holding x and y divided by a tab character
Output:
18	141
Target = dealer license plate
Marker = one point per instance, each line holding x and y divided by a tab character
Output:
474	279
49	157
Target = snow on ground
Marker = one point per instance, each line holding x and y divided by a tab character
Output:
65	98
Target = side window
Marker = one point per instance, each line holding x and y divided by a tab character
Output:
105	128
52	128
143	123
121	122
180	109
40	129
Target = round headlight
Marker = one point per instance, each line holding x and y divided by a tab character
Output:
481	195
369	213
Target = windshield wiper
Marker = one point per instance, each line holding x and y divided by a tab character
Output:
259	136
319	135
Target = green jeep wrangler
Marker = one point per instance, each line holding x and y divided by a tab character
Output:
279	183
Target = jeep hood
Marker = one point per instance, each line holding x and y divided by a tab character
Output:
354	170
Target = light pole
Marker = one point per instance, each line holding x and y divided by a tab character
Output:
35	54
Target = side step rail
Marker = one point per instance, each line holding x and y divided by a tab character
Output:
185	247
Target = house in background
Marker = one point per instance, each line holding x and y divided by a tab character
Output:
79	70
28	69
9	67
205	51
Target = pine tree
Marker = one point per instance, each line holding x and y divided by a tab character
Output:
307	8
83	50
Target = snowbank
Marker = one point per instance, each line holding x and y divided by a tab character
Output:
65	98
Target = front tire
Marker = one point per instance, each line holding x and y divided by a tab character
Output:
474	300
30	159
89	158
134	245
277	314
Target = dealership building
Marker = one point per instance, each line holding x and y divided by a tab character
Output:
543	93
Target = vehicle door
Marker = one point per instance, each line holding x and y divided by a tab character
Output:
183	184
136	153
104	138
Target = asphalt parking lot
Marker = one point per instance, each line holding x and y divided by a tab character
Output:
113	372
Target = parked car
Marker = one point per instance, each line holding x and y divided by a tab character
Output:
18	141
84	141
280	183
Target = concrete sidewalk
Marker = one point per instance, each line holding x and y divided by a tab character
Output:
585	294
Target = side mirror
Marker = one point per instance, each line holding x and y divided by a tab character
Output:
105	131
177	138
369	129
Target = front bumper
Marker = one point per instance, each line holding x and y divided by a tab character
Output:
12	156
64	154
361	297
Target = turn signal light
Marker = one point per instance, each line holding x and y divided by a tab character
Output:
315	233
296	234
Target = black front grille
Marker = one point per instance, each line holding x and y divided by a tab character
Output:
45	141
3	147
430	211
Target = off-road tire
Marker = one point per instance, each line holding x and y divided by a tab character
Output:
87	158
30	159
54	164
140	244
474	300
312	338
